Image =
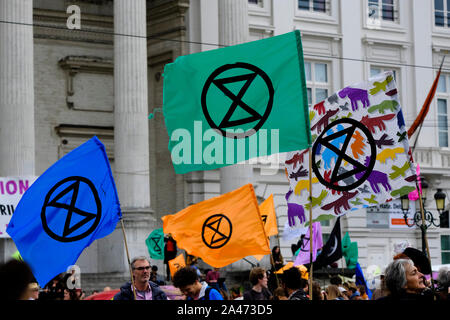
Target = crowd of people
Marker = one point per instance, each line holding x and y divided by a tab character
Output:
403	279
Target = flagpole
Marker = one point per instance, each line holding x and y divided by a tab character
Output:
342	257
128	257
265	234
423	228
310	227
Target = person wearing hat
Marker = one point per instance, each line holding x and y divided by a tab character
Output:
33	291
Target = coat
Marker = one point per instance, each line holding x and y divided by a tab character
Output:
126	293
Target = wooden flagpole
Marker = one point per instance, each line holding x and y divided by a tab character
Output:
310	227
422	211
128	257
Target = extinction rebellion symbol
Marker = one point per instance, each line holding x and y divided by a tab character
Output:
216	231
336	145
63	218
219	111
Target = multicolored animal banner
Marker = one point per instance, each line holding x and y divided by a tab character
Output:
360	154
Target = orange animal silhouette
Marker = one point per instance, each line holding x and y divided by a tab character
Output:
358	145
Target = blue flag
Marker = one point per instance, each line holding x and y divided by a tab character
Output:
69	206
360	280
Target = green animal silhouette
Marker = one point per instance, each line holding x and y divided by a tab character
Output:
317	201
402	191
380	85
371	200
390	105
399	171
357	202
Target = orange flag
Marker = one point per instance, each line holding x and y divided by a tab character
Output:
303	271
269	218
426	105
176	264
221	230
286	267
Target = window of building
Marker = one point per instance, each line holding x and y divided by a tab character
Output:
442	13
445	249
376	70
253	1
313	5
442	123
383	10
317	81
443	100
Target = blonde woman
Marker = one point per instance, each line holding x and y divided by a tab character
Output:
333	293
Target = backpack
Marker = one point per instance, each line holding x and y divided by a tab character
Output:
206	296
207	291
170	246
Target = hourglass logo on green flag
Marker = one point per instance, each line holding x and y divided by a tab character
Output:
155	244
233	104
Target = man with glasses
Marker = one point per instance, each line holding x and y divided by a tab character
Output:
143	287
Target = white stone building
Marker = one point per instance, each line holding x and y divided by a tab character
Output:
344	42
77	83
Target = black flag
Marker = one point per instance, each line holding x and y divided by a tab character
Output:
332	250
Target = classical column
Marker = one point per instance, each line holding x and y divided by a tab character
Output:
131	133
131	145
233	29
17	146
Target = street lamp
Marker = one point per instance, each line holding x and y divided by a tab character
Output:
439	197
424	186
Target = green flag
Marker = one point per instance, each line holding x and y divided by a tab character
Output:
350	251
351	257
155	244
345	243
236	103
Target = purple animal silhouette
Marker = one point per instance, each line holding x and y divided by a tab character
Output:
288	194
355	95
375	178
294	210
